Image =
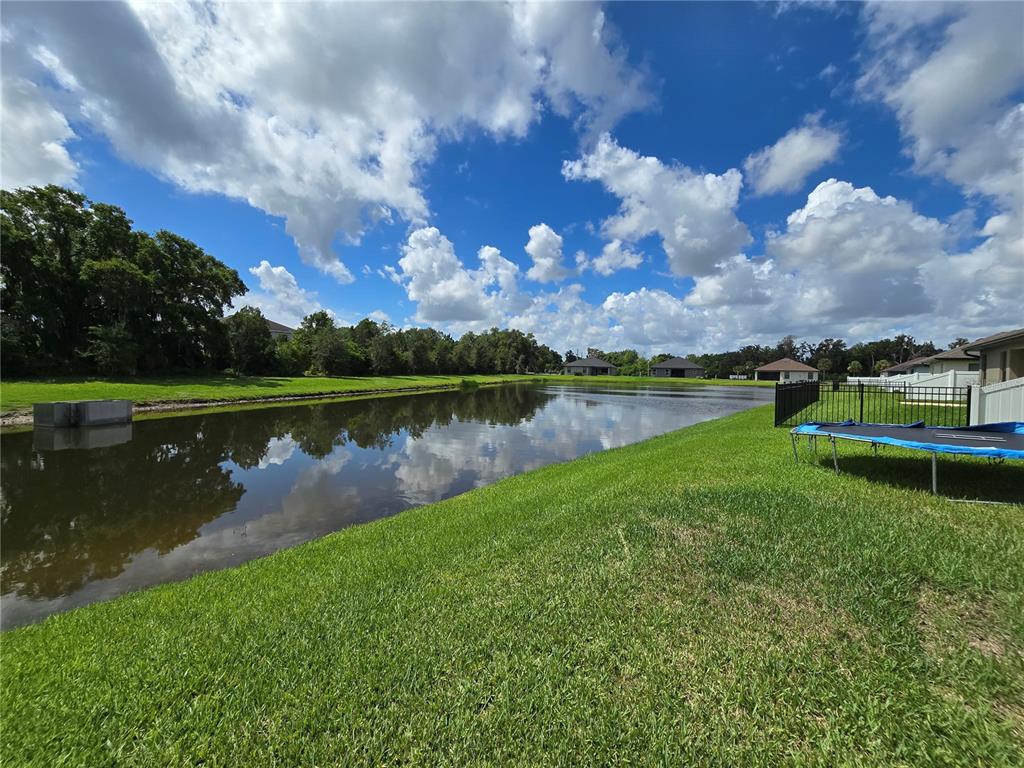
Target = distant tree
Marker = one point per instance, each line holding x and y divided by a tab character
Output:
112	350
628	361
787	347
570	356
330	353
957	342
250	343
83	290
855	368
880	366
824	365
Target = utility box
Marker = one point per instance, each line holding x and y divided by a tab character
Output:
54	414
82	413
93	413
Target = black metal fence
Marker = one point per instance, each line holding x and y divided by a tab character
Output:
830	401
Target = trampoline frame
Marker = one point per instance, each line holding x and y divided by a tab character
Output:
812	442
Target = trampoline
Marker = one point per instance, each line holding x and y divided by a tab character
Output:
1000	441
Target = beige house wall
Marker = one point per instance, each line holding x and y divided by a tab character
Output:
1002	363
785	376
945	366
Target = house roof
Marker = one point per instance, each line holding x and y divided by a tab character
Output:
956	353
276	327
996	339
591	362
907	365
785	364
678	362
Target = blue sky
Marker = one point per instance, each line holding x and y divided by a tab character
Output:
748	170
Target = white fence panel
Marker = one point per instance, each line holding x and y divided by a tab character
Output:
891	383
998	402
929	388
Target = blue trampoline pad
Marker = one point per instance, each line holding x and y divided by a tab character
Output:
1004	440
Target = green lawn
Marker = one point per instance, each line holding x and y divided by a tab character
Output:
17	395
696	599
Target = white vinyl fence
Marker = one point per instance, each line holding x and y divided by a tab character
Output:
998	402
890	383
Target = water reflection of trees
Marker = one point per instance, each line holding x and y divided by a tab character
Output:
71	517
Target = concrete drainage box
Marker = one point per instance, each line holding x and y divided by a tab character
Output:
82	413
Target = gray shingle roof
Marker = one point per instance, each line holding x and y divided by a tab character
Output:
994	339
276	327
591	362
678	362
906	366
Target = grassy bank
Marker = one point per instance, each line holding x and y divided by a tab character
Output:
19	395
695	599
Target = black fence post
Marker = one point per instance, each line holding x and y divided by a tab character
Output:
860	388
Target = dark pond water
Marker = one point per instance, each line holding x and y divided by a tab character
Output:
88	516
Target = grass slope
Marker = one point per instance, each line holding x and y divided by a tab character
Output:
695	599
18	395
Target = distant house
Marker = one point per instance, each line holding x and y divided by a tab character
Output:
591	366
278	331
677	368
1000	356
956	359
786	369
917	365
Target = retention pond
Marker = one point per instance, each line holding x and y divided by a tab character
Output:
87	516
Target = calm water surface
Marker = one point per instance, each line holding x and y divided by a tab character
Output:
88	516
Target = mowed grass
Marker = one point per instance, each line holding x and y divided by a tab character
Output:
20	395
696	599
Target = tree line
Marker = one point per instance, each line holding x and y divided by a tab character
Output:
321	347
831	356
85	292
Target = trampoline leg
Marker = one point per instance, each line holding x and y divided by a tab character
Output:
796	457
935	475
835	456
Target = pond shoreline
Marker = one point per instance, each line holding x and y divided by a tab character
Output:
22	417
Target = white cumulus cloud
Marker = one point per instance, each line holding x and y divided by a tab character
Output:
324	114
958	102
786	164
280	297
694	213
614	256
444	290
545	248
33	151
